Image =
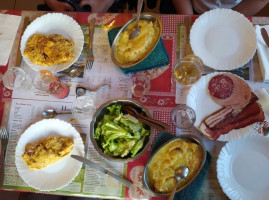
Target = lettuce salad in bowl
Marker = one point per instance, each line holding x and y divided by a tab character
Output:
119	136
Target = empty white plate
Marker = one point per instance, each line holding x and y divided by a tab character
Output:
224	39
242	168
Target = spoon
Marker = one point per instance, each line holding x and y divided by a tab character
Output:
81	90
136	31
73	73
158	125
180	173
50	113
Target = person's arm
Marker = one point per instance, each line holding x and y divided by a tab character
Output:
250	7
98	6
59	6
183	6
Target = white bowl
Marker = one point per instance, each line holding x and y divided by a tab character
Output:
54	23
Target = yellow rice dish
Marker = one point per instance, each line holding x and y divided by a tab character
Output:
130	51
48	50
161	170
40	154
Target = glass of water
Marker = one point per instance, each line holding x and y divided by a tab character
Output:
16	78
183	116
140	85
83	107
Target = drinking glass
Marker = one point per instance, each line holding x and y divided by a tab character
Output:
16	78
83	107
188	70
46	81
183	116
140	85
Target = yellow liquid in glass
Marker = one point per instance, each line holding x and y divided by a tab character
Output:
187	73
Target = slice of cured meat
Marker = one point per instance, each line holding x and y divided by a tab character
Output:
229	90
221	86
250	114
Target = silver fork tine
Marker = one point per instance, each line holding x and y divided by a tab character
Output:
90	57
4	141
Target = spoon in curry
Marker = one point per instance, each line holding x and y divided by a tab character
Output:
136	31
180	173
50	113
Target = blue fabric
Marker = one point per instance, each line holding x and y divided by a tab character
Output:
192	191
157	58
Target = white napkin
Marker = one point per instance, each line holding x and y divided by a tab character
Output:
9	25
263	52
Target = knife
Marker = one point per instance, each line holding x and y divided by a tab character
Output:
187	23
103	170
265	36
19	56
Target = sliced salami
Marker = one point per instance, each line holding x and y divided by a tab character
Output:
229	90
221	86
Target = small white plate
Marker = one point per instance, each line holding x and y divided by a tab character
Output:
54	23
242	168
224	39
200	101
56	175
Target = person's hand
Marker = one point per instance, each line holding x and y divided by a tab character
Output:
98	6
59	6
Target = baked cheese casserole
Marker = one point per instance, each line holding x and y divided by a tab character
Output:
48	50
42	153
161	170
130	51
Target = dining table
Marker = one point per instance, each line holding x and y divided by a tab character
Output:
19	109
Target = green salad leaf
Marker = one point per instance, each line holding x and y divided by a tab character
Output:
120	135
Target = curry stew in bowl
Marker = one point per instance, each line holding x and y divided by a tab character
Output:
129	52
159	173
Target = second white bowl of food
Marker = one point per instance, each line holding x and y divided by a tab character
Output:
50	24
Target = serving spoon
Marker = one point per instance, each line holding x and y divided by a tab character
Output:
136	31
73	73
180	173
158	125
50	113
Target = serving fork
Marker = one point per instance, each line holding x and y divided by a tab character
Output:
90	57
4	141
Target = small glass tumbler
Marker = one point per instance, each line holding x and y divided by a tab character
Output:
188	70
16	78
83	107
183	116
46	81
140	85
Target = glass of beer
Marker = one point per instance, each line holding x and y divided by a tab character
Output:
188	70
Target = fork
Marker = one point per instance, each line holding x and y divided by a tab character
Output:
4	141
90	57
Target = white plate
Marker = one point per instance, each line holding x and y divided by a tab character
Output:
54	23
200	101
224	39
242	168
59	174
